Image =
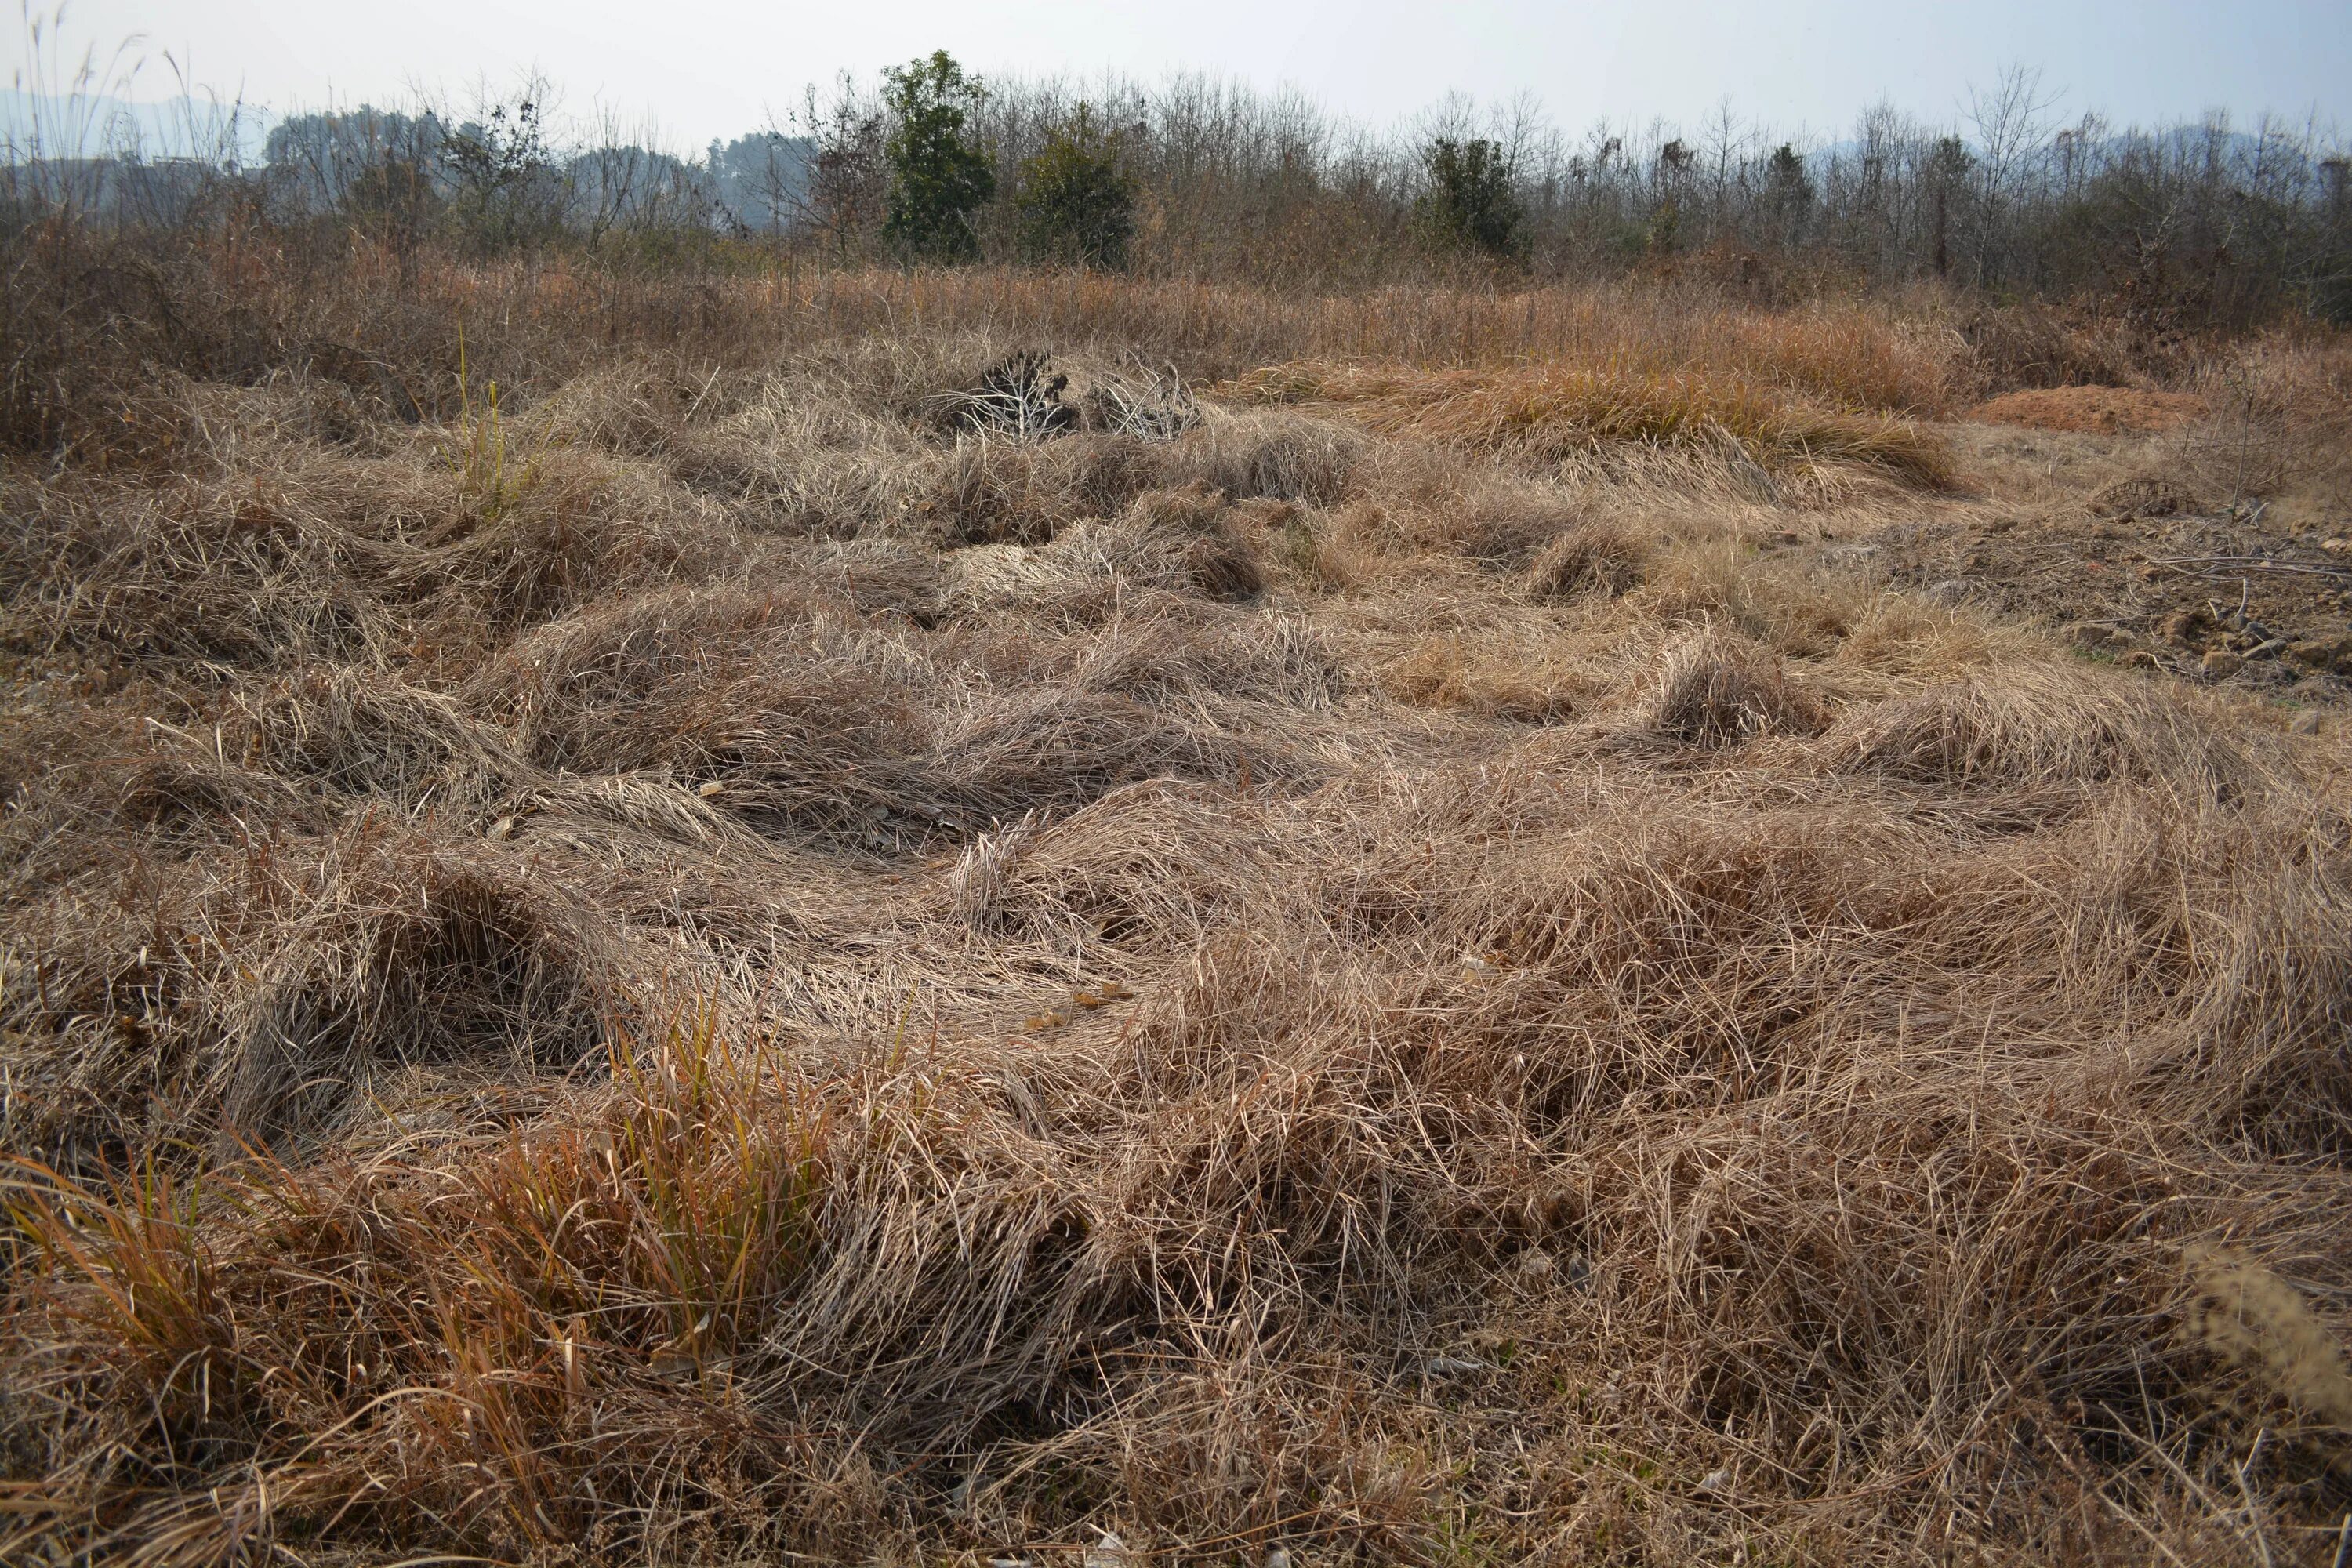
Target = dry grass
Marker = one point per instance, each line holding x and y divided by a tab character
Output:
1555	415
1713	689
1587	558
1399	977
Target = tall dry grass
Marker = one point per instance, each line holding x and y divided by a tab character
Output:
795	976
99	315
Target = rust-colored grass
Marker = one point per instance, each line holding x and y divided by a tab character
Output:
2105	410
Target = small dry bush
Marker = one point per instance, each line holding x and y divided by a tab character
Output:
2281	416
2039	345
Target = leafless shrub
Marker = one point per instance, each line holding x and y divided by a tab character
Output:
1016	399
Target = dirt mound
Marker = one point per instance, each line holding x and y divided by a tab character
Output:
2101	410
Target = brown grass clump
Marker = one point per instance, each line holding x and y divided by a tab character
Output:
996	491
1555	415
190	573
1587	558
361	734
1269	456
1714	687
407	959
1450	673
1448	973
992	492
1495	524
2022	728
1187	537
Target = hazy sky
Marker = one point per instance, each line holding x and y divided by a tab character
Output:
701	69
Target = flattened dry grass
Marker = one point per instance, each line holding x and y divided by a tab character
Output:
1339	978
1554	415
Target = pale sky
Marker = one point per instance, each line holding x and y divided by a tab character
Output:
701	69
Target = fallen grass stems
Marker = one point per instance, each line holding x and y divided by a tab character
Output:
1398	961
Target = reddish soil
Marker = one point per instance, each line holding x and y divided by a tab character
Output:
2107	410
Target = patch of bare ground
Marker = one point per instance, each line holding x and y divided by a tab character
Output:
863	952
2219	553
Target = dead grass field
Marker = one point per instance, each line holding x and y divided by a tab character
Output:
1402	928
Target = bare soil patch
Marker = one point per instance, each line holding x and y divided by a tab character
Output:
2136	574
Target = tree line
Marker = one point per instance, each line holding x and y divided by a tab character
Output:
2200	221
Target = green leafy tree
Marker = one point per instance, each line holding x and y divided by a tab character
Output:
939	179
1076	204
1469	204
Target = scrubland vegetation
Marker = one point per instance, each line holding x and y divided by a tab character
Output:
743	908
